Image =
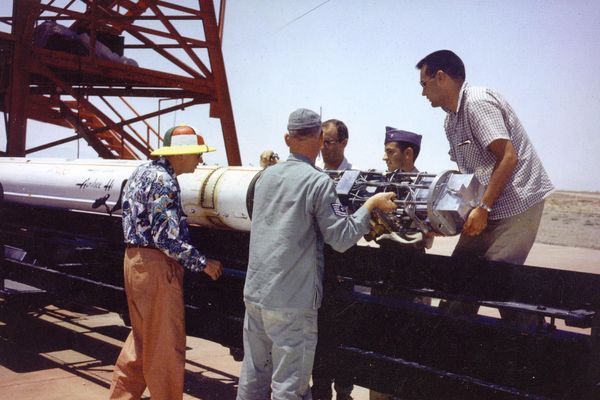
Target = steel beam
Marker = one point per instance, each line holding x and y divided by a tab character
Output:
53	144
24	15
104	72
222	107
38	70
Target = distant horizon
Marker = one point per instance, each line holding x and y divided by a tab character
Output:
576	191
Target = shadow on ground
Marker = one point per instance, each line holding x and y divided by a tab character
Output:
63	338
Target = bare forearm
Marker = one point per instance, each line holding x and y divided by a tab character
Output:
506	161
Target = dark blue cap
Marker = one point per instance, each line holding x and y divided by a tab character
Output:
396	135
303	118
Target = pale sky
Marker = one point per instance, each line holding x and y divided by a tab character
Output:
355	60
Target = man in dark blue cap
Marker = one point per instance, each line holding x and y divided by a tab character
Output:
401	150
296	211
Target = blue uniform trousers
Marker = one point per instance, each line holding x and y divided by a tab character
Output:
279	351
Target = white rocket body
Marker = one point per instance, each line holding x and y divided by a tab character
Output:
211	196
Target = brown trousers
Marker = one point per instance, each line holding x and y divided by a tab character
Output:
154	353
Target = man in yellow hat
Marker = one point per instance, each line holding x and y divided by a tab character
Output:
158	249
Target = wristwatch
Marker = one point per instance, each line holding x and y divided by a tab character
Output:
484	206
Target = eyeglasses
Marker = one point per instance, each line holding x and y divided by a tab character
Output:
424	83
330	142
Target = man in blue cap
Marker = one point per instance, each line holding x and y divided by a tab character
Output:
401	150
296	211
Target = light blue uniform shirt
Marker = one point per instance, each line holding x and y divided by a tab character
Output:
296	210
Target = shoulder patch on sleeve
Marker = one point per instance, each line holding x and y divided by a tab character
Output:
339	209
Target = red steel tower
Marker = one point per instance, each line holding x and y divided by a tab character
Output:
65	62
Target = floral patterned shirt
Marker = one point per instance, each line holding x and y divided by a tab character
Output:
153	216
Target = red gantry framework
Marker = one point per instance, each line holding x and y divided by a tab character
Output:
63	63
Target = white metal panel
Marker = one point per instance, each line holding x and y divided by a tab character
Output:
211	196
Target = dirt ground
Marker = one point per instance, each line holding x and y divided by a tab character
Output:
571	219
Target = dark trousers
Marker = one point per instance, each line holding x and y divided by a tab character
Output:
326	370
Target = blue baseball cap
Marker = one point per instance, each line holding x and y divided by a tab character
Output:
303	118
397	135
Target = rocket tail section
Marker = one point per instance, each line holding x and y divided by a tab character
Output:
212	196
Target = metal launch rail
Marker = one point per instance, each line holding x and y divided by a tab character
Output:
385	340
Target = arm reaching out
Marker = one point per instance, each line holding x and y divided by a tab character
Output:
382	201
213	268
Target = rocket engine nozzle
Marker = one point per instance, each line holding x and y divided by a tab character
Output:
426	202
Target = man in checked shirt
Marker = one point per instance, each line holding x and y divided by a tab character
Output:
486	138
158	248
